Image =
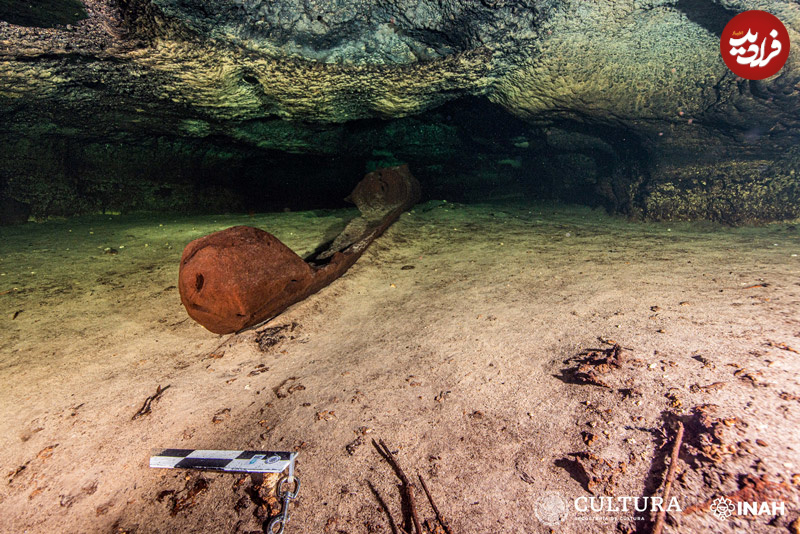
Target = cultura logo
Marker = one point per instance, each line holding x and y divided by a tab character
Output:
723	508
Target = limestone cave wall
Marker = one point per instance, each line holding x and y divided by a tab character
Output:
188	105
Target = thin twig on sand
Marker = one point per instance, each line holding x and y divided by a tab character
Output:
673	462
439	517
392	523
408	488
148	402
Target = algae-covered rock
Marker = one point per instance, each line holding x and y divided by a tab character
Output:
638	88
733	192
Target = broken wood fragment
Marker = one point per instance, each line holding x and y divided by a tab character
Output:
599	362
695	388
269	337
407	487
763	284
669	479
185	499
785	395
601	475
148	403
783	346
709	438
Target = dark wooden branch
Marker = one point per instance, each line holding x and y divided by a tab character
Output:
407	486
146	407
392	523
673	463
439	517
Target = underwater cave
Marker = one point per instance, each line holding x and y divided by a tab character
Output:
459	266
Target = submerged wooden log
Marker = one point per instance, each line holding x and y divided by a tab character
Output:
242	276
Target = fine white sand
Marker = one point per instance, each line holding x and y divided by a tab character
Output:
460	365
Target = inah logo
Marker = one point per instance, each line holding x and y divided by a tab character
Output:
551	509
722	507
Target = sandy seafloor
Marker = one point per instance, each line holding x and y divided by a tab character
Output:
460	364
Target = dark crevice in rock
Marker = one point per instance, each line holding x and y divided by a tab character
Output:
707	13
758	90
42	14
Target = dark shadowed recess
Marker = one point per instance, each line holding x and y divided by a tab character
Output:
42	13
480	152
707	13
275	181
468	150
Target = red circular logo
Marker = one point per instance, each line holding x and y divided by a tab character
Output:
754	45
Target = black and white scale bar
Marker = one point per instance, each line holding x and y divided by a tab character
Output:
237	461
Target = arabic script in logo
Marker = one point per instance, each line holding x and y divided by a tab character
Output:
551	509
755	45
722	507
